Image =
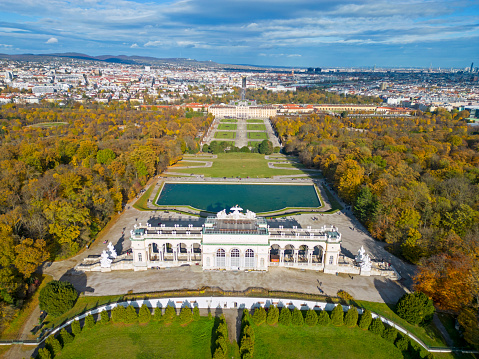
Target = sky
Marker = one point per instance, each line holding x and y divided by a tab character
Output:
296	33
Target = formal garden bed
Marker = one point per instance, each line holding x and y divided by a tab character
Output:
255	127
227	126
257	135
225	135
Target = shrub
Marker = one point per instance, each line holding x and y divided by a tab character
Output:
247	346
323	318
44	353
337	315
118	314
351	317
247	330
157	315
57	297
259	316
415	307
186	316
219	354
130	315
76	328
390	334
365	320
170	314
377	326
222	343
65	337
196	314
297	318
104	317
53	345
285	316
144	315
311	318
273	315
402	343
345	296
89	322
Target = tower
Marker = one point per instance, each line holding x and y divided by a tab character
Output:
243	88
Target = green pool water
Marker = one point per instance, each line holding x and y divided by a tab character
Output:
256	198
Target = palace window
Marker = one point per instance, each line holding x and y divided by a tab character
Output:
220	258
331	259
140	259
249	258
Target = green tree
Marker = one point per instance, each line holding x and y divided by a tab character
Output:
157	315
415	307
130	315
118	314
44	353
144	315
390	334
105	317
351	317
377	326
170	314
259	316
365	320
285	316
323	318
65	337
311	318
402	343
57	297
105	157
337	315
186	316
366	205
273	315
53	345
196	314
266	147
89	322
297	318
76	327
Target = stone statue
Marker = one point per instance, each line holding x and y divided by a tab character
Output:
111	251
221	214
366	264
250	215
360	257
105	261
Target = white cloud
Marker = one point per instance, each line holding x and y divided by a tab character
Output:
52	40
134	46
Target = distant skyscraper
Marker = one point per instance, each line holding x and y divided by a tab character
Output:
243	88
472	67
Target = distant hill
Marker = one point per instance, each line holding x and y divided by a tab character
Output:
128	60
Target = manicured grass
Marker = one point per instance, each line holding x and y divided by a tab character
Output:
335	205
227	126
253	143
320	342
255	121
152	340
429	334
449	321
190	162
225	135
231	120
290	165
238	165
256	127
257	135
16	325
142	203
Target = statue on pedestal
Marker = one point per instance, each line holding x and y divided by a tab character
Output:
360	257
111	251
366	264
105	261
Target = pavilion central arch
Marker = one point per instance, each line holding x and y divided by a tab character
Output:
236	241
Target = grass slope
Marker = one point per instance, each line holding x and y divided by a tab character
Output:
239	165
320	342
153	340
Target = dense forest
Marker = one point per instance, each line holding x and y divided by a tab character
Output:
65	171
414	183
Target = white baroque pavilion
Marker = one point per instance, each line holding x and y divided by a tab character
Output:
236	241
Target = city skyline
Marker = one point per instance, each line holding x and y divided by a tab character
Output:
307	33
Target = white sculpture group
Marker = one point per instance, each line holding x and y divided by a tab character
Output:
363	260
107	256
236	214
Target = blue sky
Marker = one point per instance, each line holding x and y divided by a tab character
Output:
320	33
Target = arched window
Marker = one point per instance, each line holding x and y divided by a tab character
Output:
220	258
235	258
249	258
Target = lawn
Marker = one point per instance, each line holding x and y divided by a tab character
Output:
225	135
255	127
253	143
153	340
257	135
320	342
254	121
239	165
231	120
227	126
142	202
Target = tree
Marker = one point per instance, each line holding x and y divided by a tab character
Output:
170	314
157	315
44	353
311	318
118	314
273	315
29	255
323	318
402	343
337	315
297	318
105	317
130	315
351	317
390	334
196	314
285	316
105	156
468	320
365	320
89	322
366	205
65	337
186	316
57	297
259	316
415	307
377	326
266	147
144	315
76	328
53	345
